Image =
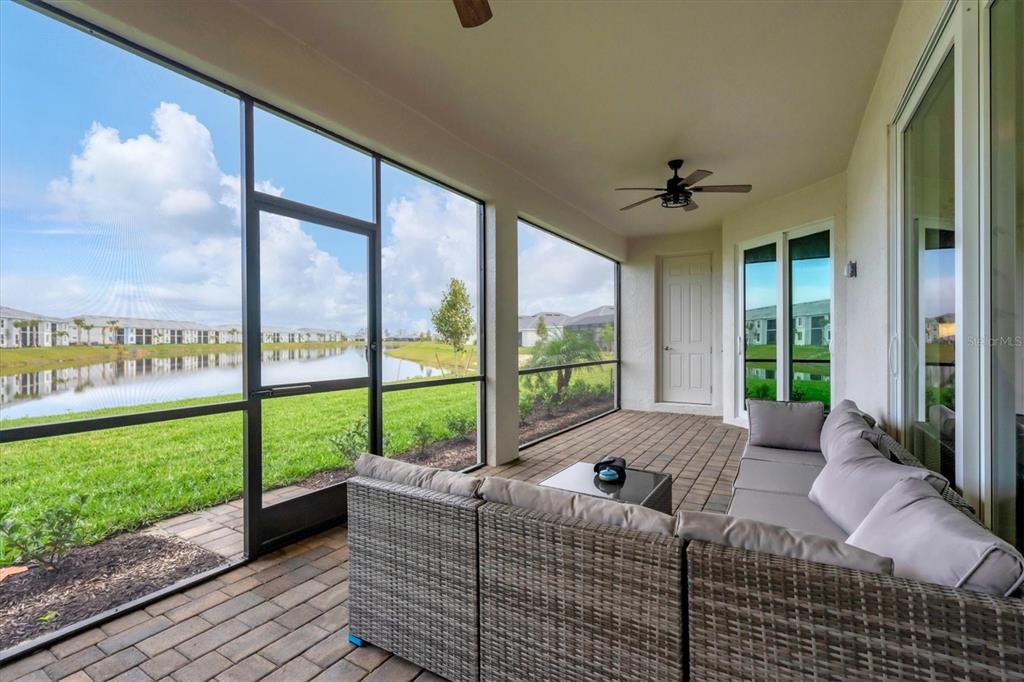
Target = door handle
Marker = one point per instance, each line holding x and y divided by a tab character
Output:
668	347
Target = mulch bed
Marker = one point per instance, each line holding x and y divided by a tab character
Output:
541	424
93	579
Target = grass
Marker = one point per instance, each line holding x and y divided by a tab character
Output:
434	354
767	352
19	360
133	476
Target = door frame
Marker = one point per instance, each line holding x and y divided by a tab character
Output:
659	284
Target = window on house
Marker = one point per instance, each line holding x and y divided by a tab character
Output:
810	301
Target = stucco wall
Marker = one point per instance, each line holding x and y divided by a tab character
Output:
867	197
820	201
640	313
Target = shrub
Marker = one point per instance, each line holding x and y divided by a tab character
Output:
526	406
459	425
351	442
422	437
48	538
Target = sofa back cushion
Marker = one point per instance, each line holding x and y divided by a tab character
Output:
843	422
851	484
756	536
574	505
788	425
397	471
931	541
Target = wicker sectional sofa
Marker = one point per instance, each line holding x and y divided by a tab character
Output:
487	579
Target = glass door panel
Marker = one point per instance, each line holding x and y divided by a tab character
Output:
810	314
930	284
760	322
1007	225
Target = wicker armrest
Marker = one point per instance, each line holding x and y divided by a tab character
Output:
562	599
761	616
413	574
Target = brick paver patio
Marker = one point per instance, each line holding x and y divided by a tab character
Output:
284	616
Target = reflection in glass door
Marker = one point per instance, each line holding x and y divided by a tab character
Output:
930	284
1007	236
760	322
810	318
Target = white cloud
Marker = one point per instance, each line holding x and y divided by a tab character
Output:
433	237
557	276
165	242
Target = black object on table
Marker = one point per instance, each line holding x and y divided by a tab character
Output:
646	488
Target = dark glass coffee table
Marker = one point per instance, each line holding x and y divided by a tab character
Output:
641	487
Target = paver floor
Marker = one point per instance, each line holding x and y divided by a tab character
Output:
284	616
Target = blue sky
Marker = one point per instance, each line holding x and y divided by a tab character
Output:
119	195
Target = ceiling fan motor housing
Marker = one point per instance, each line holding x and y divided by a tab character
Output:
677	199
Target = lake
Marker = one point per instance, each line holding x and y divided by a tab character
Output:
142	381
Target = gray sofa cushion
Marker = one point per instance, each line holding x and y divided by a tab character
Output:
790	511
850	485
397	471
781	455
758	536
839	427
931	541
582	507
779	477
789	425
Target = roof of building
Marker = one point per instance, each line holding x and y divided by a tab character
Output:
15	314
604	314
769	312
529	322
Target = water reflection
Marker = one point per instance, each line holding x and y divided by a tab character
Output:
147	380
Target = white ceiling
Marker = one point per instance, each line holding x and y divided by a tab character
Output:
583	97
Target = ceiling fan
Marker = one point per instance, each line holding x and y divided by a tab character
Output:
678	192
472	12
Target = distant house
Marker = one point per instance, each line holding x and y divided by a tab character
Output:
593	321
22	329
528	327
811	324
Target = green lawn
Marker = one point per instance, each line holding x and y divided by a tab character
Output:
433	354
767	352
136	475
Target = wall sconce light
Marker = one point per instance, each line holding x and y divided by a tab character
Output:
851	268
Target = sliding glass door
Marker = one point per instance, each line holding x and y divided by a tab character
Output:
810	317
930	275
760	322
1006	229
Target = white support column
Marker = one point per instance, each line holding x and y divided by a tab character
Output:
502	329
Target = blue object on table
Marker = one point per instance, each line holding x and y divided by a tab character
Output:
608	475
611	470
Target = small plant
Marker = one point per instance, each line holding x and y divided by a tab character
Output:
422	437
526	406
351	442
46	539
459	425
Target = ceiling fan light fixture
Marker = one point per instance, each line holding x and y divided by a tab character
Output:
676	200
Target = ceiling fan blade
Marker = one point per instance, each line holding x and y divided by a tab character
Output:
695	177
721	188
473	12
692	206
642	201
650	189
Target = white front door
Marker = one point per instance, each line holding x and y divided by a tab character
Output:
686	329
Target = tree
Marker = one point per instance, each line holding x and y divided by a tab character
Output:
88	332
572	346
113	326
79	326
453	319
542	329
607	336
